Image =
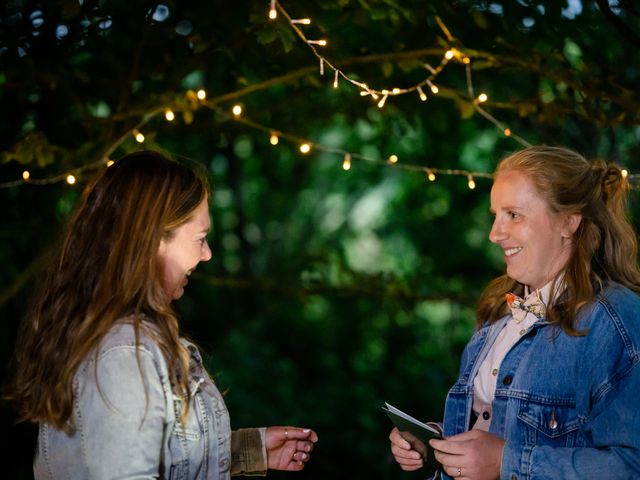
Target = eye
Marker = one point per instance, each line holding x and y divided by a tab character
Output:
202	241
514	215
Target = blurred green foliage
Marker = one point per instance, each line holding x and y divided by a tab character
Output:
329	292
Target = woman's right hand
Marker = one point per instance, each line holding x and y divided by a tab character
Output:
408	458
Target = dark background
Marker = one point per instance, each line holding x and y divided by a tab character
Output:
329	292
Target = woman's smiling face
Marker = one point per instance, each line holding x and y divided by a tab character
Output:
179	255
536	241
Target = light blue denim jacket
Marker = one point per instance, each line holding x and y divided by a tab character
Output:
125	427
568	407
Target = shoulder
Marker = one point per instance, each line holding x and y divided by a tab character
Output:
612	323
122	341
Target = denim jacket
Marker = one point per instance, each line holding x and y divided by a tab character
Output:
125	425
567	406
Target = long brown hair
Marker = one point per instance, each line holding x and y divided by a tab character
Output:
604	247
105	268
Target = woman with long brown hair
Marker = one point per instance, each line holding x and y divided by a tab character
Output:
101	363
548	384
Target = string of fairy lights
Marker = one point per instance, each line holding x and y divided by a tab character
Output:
198	99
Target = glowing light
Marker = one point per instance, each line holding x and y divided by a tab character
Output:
273	140
395	91
272	10
471	182
507	132
237	110
449	55
466	60
110	162
138	136
71	179
393	159
431	176
434	89
201	94
305	148
169	115
335	80
322	66
322	43
624	172
26	175
482	98
301	21
423	96
381	102
346	163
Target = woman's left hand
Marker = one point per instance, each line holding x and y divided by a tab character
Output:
288	448
475	455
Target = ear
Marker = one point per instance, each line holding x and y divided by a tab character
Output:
571	224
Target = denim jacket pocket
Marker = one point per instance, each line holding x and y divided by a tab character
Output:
552	425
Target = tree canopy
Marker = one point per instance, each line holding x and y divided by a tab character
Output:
331	290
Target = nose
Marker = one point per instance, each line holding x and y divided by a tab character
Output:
206	253
497	233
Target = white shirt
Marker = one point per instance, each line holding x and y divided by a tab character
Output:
484	384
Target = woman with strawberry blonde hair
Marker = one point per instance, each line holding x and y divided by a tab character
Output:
548	385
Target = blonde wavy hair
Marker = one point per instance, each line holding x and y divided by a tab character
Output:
604	247
105	268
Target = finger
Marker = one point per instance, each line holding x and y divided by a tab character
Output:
402	453
295	466
296	433
304	445
397	440
447	446
410	462
301	456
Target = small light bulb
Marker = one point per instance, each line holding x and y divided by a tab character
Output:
302	21
507	132
423	96
305	148
471	182
169	115
322	43
466	60
449	55
272	10
346	164
237	110
395	91
431	176
393	159
624	172
335	80
482	98
381	102
434	89
138	136
273	140
201	94
110	162
26	175
71	179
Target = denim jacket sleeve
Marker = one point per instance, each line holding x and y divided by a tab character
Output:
607	396
122	432
248	452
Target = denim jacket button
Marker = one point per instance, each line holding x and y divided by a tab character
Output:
553	423
224	462
507	380
486	415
